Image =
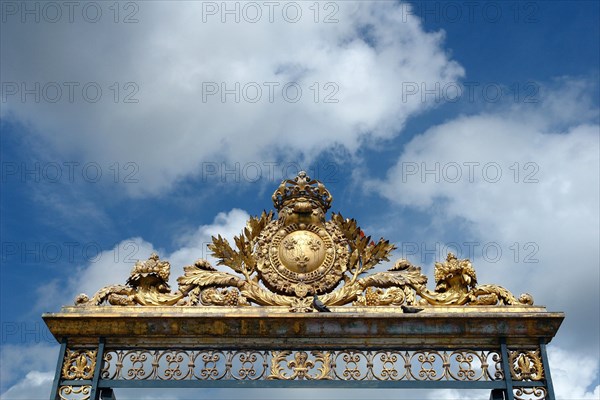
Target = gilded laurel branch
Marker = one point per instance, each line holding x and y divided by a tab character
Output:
242	260
364	253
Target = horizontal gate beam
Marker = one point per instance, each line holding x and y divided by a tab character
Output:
307	384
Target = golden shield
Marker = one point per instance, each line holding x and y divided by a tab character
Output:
302	259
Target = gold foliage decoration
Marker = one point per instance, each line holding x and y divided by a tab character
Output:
287	260
364	253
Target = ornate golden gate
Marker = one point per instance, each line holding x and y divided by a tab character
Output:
300	310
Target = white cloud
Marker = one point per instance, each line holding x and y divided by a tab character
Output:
35	385
194	245
114	266
555	214
299	394
28	369
575	376
111	267
106	268
170	53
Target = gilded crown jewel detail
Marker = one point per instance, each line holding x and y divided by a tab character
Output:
302	186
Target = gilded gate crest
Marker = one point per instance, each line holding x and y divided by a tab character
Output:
300	253
285	261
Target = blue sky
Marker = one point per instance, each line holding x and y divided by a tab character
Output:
161	159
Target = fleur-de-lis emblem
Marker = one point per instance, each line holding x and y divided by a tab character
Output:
314	245
300	365
79	364
290	244
301	260
526	365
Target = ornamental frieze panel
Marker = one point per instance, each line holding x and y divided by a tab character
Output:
299	258
461	365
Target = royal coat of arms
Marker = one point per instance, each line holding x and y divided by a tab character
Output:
300	255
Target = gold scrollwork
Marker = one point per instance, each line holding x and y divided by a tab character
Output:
464	361
209	364
79	364
354	364
247	365
497	359
388	365
74	392
534	393
526	365
346	365
430	364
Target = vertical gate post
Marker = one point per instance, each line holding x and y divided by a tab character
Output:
505	366
58	373
546	365
95	393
